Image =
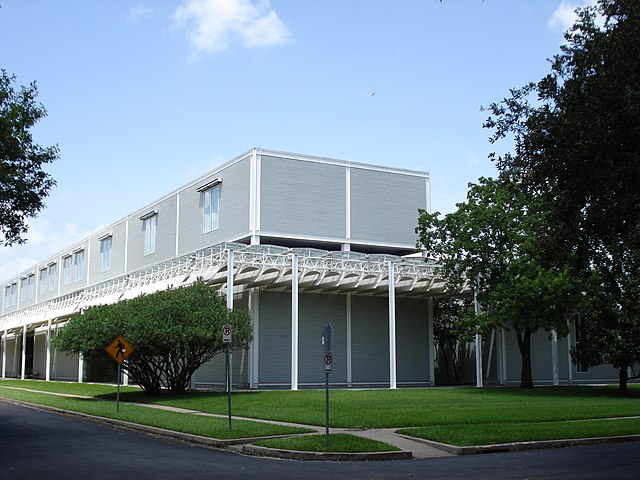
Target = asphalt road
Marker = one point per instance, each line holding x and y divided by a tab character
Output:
36	444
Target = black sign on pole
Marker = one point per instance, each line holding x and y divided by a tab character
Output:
227	331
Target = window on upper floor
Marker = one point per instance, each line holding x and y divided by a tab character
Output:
149	222
66	270
31	286
78	264
14	288
42	281
105	252
23	289
210	209
7	295
52	273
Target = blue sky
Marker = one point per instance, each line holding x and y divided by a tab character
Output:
144	96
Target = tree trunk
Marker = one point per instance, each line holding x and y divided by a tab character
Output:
623	380
524	344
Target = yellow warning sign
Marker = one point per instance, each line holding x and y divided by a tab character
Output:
119	349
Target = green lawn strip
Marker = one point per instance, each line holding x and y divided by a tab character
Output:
194	424
495	433
71	388
338	442
416	407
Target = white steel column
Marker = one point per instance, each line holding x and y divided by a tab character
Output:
254	349
349	350
230	279
294	322
554	356
254	197
430	349
4	355
125	378
392	328
23	368
478	345
47	367
80	367
347	245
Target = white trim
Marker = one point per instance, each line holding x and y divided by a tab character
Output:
207	186
47	361
348	203
23	367
149	214
349	340
554	356
177	224
294	322
478	343
392	328
80	367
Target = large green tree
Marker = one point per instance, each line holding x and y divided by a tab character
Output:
173	332
23	182
493	244
577	145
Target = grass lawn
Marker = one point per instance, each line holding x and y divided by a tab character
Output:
339	442
460	416
213	427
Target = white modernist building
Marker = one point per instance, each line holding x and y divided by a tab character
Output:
300	241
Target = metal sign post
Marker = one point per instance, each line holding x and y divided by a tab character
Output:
226	339
327	333
119	350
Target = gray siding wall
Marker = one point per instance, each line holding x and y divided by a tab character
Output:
370	340
384	206
275	339
165	235
412	341
302	198
73	284
234	209
314	312
118	240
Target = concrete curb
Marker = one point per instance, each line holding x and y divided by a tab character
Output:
325	456
520	446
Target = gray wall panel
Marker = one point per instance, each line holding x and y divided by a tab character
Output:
165	235
412	341
118	239
384	206
275	338
370	340
302	198
234	209
314	312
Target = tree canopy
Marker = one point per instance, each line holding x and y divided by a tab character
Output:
493	243
577	146
173	332
23	182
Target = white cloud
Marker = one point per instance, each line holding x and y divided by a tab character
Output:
213	24
136	13
565	15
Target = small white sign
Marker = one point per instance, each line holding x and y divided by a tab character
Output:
226	333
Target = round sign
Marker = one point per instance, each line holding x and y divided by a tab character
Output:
226	330
328	359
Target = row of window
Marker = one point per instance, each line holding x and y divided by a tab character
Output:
73	264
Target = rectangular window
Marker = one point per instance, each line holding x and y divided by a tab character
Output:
52	272
42	281
7	295
14	287
23	289
31	286
149	229
105	253
210	209
66	270
78	263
